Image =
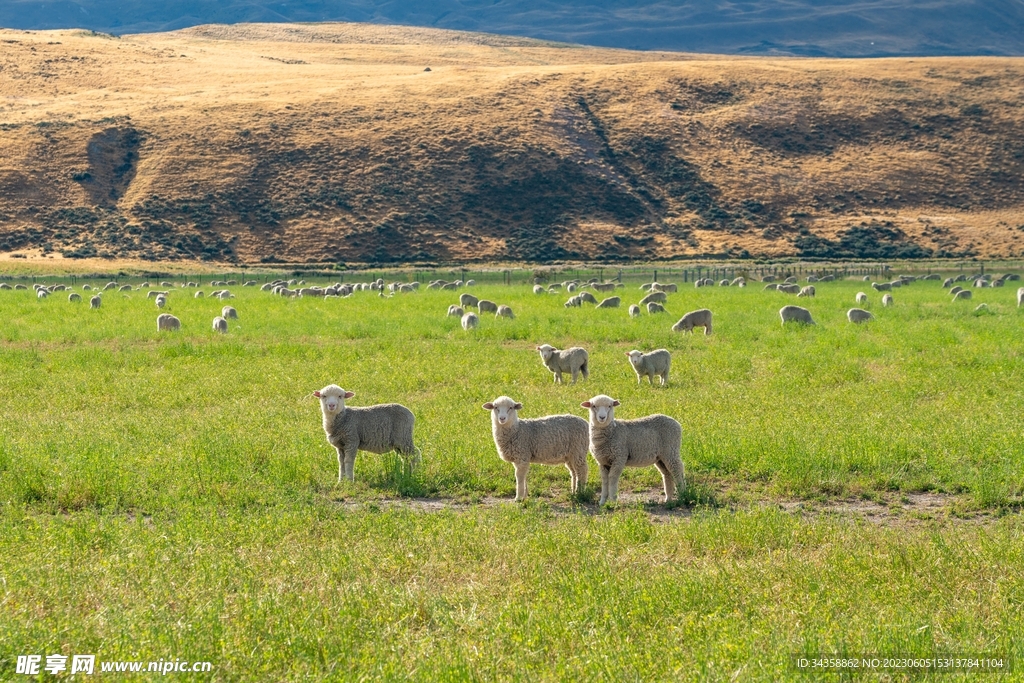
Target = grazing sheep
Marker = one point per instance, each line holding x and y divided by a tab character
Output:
1020	297
739	282
887	300
551	440
698	283
862	298
539	289
455	311
960	278
605	287
723	283
109	285
812	278
769	278
165	322
1011	277
587	297
932	276
504	312
791	280
485	306
698	318
962	294
956	290
795	313
866	278
650	365
229	313
220	325
20	287
653	308
124	288
858	315
981	308
772	287
881	286
658	297
554	287
161	301
618	444
4	285
789	288
470	321
74	297
467	300
610	302
375	429
42	293
997	283
571	287
947	283
574	302
668	288
95	301
470	283
198	295
980	283
806	291
634	311
574	361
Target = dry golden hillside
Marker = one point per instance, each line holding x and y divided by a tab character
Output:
334	142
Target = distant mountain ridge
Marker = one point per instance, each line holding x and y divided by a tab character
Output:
836	28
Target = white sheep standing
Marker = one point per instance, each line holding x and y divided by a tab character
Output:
651	365
504	312
699	318
229	313
618	444
887	300
220	325
467	300
551	440
573	360
165	322
470	321
858	315
375	429
795	313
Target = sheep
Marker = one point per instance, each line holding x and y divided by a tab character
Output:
198	295
791	280
375	429
467	300
73	297
739	282
789	288
723	283
947	283
229	313
997	283
771	287
932	276
161	301
165	322
795	313
470	283
698	318
504	312
955	290
960	278
981	308
124	288
605	287
866	278
653	308
588	297
650	365
487	306
610	302
670	288
571	287
220	325
962	294
574	361
858	315
617	444
20	287
1011	277
698	283
887	300
470	321
1020	297
109	285
554	287
812	278
862	298
658	297
768	278
4	285
574	302
551	440
980	283
806	291
647	286
455	311
539	289
95	301
881	286
152	294
634	311
42	293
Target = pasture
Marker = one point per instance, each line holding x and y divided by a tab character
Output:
172	494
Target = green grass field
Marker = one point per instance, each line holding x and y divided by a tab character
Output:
173	495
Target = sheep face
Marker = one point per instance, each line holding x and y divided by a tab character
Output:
504	411
546	351
635	358
332	399
602	409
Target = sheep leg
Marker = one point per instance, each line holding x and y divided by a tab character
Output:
341	464
350	463
558	378
707	330
604	484
667	481
573	481
664	379
521	469
614	472
575	372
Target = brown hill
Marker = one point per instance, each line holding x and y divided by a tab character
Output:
333	142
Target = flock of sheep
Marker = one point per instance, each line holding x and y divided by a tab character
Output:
553	440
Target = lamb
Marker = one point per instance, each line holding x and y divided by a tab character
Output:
95	301
538	289
220	325
862	298
165	322
617	444
649	365
795	313
573	360
962	294
551	440
375	429
470	321
887	300
653	308
229	313
1020	297
487	306
74	297
858	315
658	297
806	291
588	297
881	286
455	311
698	318
610	302
467	300
504	312
634	311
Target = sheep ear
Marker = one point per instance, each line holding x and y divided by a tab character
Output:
488	406
519	406
615	403
585	404
317	394
349	394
